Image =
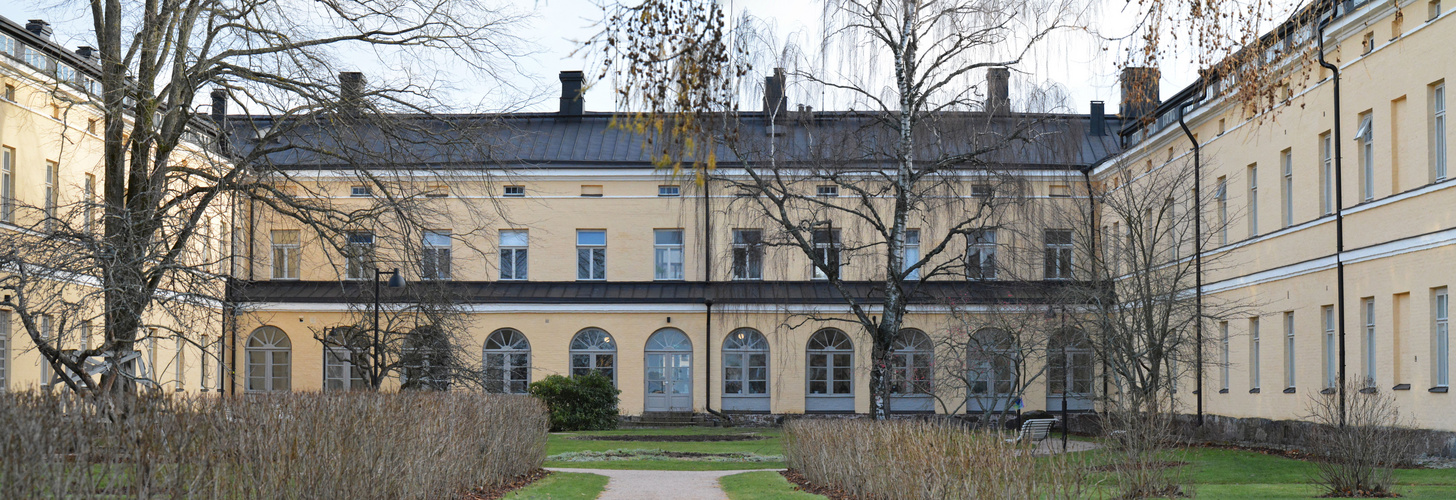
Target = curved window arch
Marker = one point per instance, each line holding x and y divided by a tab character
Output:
269	354
831	365
1069	370
669	339
507	356
745	364
991	366
912	361
594	350
345	359
427	360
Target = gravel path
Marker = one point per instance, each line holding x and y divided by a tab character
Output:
661	484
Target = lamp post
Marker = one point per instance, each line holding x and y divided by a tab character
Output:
396	280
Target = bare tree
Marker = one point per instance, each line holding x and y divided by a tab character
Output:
148	256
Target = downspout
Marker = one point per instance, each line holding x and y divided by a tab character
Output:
1197	249
1093	220
1339	210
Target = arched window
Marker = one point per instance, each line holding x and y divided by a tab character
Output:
912	362
745	364
507	362
593	350
991	362
345	359
1069	370
831	372
427	360
268	353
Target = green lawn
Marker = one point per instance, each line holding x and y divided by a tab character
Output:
762	486
560	444
562	486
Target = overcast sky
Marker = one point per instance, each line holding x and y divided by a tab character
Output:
1081	67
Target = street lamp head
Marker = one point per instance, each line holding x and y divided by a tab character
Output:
396	280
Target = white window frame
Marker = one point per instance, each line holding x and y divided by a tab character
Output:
435	255
52	193
1438	132
360	192
1366	135
7	184
669	191
667	254
1220	194
981	255
1253	200
515	254
514	192
747	254
501	363
910	253
289	253
1442	340
1327	174
1057	258
359	255
596	268
1289	358
831	252
826	190
4	351
1223	331
1287	190
1370	341
1331	351
1254	354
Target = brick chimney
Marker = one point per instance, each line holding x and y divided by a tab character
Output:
998	90
89	53
1098	125
351	89
1139	92
571	98
775	100
39	27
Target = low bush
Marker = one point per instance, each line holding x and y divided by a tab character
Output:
925	460
304	445
1358	458
580	403
1145	454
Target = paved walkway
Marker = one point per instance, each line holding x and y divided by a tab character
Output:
661	484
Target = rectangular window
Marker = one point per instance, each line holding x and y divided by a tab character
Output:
1057	261
343	369
827	191
1224	362
667	251
513	250
826	253
1254	354
1289	350
52	192
1438	132
179	362
1331	351
747	254
1433	10
669	191
1443	339
4	351
286	254
88	192
981	190
360	192
981	255
1327	174
435	256
910	253
591	191
1366	135
359	255
1220	193
1253	200
10	92
1287	190
1367	309
515	191
591	254
35	58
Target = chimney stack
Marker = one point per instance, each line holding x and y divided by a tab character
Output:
998	97
39	27
775	100
88	53
1098	125
571	98
1139	92
351	89
219	116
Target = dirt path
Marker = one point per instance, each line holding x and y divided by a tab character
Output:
661	484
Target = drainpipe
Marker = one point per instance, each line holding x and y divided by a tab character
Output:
707	302
1197	249
1093	219
1339	210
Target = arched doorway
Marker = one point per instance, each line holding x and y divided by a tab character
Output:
1069	371
912	362
745	371
830	372
269	354
669	371
991	366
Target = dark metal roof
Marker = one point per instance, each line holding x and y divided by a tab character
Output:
654	292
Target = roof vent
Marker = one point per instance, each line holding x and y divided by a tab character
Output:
39	27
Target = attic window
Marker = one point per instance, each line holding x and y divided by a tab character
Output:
669	191
1434	9
591	191
981	190
360	192
515	191
828	191
1369	43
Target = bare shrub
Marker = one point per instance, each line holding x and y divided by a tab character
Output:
926	460
1146	459
1358	459
356	445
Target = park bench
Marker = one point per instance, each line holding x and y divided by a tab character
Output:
1034	430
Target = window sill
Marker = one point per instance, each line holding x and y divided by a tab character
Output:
1289	390
1401	387
1254	390
1327	391
1369	390
1440	390
1223	391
